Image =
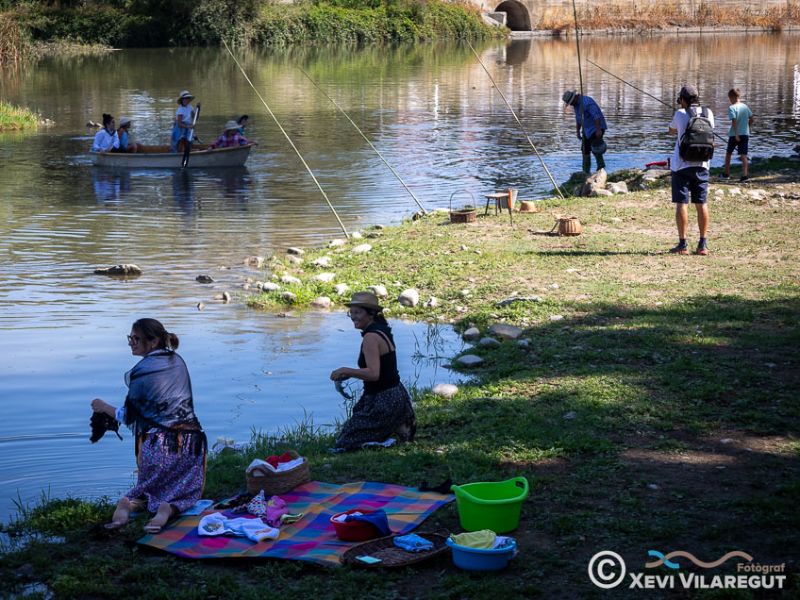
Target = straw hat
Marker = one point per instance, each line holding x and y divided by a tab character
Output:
365	300
123	121
185	94
231	125
568	96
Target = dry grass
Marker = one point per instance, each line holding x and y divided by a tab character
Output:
13	47
624	16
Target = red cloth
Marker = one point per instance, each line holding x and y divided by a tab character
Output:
276	460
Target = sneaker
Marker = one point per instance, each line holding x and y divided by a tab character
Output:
679	249
701	251
724	176
744	178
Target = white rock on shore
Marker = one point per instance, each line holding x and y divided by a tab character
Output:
409	297
444	390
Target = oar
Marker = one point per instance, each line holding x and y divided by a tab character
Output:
189	139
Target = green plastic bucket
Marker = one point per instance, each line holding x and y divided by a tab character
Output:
491	505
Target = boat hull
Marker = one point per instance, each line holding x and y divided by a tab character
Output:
154	157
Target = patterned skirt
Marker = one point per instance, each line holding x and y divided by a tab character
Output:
170	474
377	417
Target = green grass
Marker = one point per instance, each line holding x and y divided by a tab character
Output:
15	118
660	412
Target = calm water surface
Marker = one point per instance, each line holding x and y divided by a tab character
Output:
430	110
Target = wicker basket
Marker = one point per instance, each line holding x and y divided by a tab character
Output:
468	214
569	226
390	555
278	483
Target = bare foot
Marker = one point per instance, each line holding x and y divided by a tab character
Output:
164	513
122	513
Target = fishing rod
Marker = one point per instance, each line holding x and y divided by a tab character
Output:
422	208
527	137
580	70
659	100
288	139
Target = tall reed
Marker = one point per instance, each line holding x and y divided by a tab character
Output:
13	45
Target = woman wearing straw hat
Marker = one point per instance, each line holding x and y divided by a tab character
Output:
183	120
231	137
385	408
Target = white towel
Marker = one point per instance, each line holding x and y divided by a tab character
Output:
253	529
263	465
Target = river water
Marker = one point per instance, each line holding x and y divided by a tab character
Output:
432	112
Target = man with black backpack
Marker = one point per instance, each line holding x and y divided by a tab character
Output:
693	126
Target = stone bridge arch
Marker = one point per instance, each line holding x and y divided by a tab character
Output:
517	16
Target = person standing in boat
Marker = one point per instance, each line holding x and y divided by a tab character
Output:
230	137
184	115
106	140
170	444
385	407
125	144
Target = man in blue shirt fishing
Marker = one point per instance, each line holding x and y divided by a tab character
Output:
590	128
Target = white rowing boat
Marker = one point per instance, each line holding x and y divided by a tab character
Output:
160	157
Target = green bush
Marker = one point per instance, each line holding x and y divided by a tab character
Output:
101	24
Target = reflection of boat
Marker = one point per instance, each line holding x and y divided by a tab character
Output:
160	157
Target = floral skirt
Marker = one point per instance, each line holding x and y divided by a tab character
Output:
377	417
170	474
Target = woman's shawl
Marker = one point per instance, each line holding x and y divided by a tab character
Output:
160	395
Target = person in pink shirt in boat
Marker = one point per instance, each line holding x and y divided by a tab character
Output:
230	138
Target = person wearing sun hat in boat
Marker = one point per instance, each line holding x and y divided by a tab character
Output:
184	115
125	145
384	408
231	137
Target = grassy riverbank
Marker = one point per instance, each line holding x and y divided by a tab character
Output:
15	118
654	406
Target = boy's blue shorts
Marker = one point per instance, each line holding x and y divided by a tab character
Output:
741	145
690	182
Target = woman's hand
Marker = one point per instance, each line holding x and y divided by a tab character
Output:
102	406
340	374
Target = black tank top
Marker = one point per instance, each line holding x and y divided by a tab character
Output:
389	377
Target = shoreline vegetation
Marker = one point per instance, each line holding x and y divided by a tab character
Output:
651	401
15	118
38	28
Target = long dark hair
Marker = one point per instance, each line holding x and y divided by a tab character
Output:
377	316
154	330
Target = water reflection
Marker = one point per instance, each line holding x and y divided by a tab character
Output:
110	186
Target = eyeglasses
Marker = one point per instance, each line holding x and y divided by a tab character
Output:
134	338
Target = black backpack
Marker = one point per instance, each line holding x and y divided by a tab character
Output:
697	142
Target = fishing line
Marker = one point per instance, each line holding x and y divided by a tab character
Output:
580	68
527	137
422	208
659	100
288	139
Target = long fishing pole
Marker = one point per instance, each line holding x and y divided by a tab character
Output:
527	137
422	208
659	100
288	139
580	70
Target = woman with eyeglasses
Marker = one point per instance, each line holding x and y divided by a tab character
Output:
384	409
170	443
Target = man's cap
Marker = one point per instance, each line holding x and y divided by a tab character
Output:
231	125
688	92
568	96
124	121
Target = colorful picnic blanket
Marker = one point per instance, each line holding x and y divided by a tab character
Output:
312	538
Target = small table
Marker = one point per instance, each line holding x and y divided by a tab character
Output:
498	198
